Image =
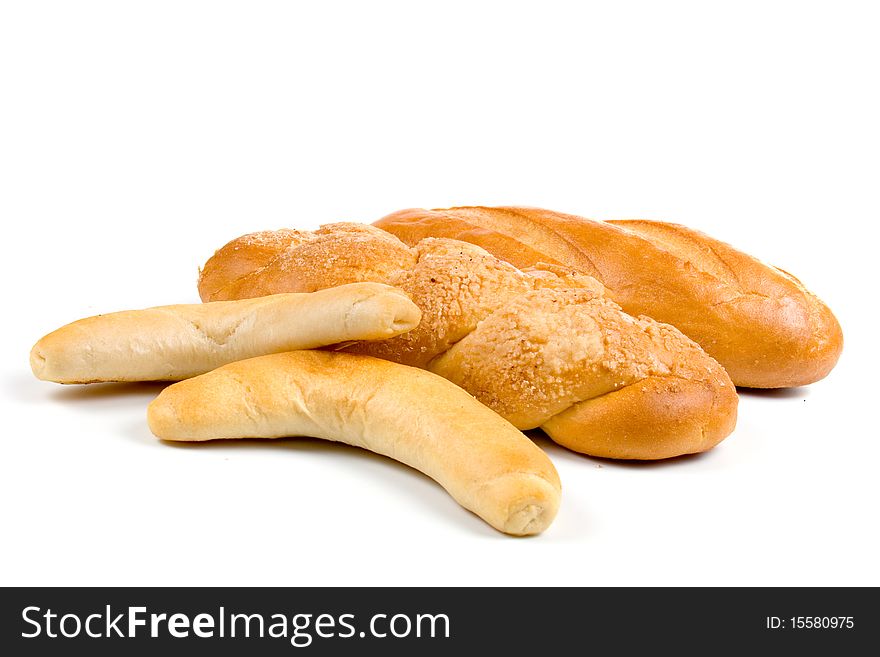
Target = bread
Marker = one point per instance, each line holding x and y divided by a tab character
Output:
758	321
543	348
404	413
176	342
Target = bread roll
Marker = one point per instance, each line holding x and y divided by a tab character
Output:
542	347
176	342
758	321
404	413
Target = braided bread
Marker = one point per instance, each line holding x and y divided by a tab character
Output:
544	348
761	323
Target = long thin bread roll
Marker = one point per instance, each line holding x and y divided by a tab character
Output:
407	414
170	343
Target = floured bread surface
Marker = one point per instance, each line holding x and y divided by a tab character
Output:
270	262
557	348
530	344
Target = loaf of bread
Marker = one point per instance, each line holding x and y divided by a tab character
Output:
543	348
758	321
176	342
401	412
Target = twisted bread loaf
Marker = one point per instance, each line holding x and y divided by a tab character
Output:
543	348
760	322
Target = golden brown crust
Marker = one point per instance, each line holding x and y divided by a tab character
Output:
573	346
250	252
529	344
623	424
301	261
401	412
777	332
758	321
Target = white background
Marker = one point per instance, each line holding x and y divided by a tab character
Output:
136	138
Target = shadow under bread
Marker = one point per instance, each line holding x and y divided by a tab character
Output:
77	392
556	451
348	461
775	393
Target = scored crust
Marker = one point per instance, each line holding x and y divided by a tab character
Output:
758	321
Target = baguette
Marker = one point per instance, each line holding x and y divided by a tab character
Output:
404	413
758	321
170	343
544	348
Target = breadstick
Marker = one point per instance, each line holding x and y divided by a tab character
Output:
407	414
170	343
